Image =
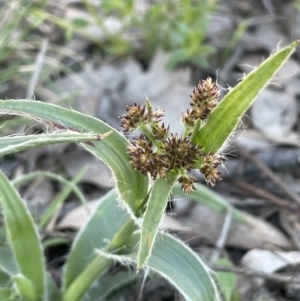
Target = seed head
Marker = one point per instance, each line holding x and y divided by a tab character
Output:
187	183
138	115
193	114
210	162
141	154
160	152
204	98
181	152
160	132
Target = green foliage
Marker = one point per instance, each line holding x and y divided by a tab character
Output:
24	241
21	40
178	27
223	120
226	280
207	197
129	232
12	52
297	4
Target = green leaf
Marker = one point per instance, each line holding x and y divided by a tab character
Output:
11	145
80	23
169	257
25	288
5	278
177	57
131	184
153	215
207	197
55	241
54	294
13	123
6	294
182	267
107	285
224	119
84	265
23	237
58	201
8	261
227	281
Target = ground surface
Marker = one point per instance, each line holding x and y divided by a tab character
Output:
261	175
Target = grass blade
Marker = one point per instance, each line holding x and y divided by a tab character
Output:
84	265
107	285
180	266
205	196
156	206
8	261
11	145
23	237
25	288
227	281
223	120
6	293
131	184
57	202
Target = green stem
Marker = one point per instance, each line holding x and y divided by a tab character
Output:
122	236
80	285
99	264
149	135
195	130
187	130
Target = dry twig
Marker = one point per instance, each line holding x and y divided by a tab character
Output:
273	277
267	171
267	195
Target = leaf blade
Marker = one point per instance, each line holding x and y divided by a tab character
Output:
23	236
224	119
11	145
186	270
205	196
81	269
153	215
131	184
180	266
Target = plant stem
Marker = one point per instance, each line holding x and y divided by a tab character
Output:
149	135
81	284
122	236
195	130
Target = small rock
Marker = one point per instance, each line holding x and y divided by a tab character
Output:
266	36
274	112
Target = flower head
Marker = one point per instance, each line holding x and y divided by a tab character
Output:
160	132
204	99
141	154
181	152
138	115
160	152
209	168
187	183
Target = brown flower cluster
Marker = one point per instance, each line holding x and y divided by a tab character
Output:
180	152
138	115
175	153
204	99
210	162
159	152
187	183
